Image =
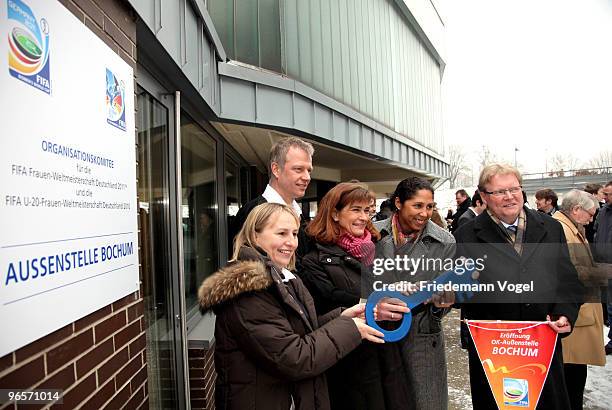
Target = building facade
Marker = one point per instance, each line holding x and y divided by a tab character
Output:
215	83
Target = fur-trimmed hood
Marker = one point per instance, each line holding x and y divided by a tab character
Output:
233	280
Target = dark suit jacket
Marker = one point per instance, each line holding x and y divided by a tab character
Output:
545	260
244	211
465	205
467	215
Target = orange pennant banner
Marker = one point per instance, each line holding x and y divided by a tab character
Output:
516	357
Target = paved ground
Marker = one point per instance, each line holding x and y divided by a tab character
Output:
599	384
597	392
459	397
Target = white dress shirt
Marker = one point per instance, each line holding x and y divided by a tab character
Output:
274	197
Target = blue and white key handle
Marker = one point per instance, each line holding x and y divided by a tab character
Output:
467	277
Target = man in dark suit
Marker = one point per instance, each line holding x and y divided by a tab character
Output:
478	207
289	168
463	204
603	248
521	245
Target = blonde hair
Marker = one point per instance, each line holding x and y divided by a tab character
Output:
255	223
492	170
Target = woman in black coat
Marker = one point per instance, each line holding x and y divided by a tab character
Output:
368	378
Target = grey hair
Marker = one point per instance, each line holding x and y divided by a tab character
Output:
575	198
278	152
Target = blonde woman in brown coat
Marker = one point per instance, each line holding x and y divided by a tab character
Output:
584	346
271	346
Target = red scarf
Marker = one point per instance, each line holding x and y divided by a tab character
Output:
400	238
360	248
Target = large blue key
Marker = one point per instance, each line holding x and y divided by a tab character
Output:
467	277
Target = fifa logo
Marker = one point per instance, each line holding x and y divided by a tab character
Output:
28	40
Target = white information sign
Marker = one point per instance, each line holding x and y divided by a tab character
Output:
68	223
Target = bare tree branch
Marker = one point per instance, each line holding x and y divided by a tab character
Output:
561	163
459	168
603	160
486	157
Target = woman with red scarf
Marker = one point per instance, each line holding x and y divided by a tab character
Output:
332	271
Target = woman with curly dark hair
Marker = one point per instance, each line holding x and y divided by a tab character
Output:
411	233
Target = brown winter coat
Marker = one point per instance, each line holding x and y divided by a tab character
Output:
270	348
584	345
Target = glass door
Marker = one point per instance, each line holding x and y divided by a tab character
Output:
199	208
164	306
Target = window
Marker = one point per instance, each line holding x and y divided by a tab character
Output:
199	201
234	184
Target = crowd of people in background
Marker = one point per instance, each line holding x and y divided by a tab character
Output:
290	330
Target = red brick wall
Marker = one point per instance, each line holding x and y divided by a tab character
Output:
111	20
202	378
99	361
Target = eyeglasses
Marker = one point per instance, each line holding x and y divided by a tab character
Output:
591	214
502	192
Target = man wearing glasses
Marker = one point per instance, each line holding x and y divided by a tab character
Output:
519	245
603	247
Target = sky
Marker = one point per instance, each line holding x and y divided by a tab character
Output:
530	74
